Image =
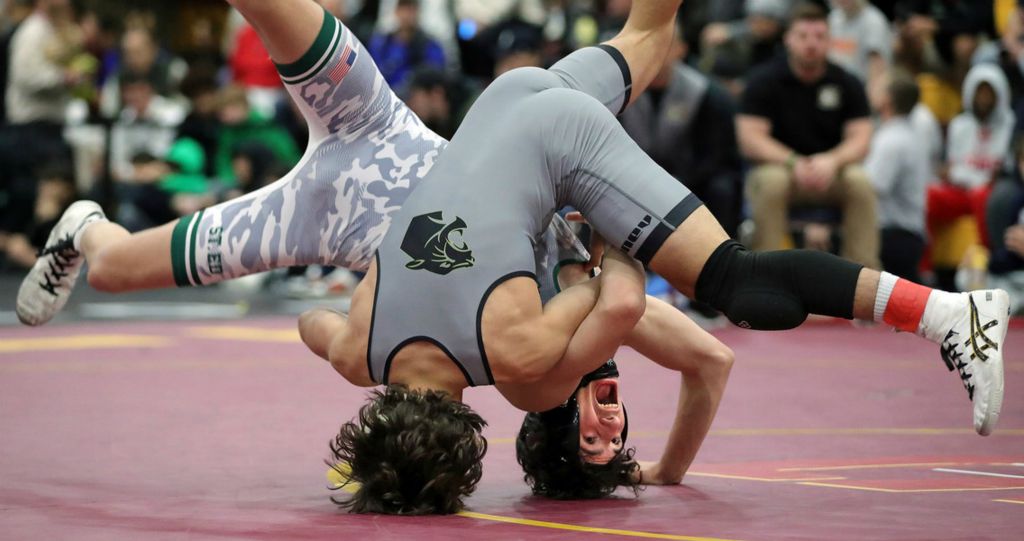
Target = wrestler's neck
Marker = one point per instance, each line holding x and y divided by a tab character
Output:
423	366
453	389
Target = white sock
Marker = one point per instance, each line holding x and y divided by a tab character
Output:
886	283
942	310
77	239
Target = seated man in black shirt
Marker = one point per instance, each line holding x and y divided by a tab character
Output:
805	123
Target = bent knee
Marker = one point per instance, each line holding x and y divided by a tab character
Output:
718	359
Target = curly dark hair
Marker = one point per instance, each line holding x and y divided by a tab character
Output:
553	472
410	452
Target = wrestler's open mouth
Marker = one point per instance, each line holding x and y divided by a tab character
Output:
606	393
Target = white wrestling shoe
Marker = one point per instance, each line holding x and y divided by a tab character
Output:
974	347
49	283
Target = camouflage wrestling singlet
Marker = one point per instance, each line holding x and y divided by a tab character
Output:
366	152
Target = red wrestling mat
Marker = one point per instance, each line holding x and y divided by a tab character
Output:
197	431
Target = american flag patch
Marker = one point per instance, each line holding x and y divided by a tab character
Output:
341	69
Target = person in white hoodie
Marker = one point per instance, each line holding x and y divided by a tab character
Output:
977	147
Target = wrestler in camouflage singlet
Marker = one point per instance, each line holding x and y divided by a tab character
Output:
366	152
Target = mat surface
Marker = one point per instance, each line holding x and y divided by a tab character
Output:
219	431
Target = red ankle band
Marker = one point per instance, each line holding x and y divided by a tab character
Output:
906	305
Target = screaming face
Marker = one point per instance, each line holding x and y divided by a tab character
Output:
602	420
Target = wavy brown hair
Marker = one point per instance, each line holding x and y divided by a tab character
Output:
410	453
552	471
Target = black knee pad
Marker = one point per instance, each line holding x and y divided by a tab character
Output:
776	290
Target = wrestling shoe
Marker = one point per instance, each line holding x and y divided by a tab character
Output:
973	347
49	283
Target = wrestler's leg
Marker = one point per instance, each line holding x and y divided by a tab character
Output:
262	230
639	207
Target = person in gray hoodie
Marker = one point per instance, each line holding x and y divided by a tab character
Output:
977	147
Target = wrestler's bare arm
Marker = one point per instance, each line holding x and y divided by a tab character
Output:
666	336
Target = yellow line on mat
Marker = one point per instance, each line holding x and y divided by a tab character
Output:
253	334
1010	501
898	490
766	479
84	341
871	466
579	528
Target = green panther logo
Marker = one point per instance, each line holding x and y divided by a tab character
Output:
436	247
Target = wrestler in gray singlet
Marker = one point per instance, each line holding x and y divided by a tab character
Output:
535	141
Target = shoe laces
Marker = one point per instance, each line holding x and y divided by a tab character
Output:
978	342
62	256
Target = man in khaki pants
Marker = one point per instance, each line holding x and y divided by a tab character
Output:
806	123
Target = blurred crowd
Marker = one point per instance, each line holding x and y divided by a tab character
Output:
885	131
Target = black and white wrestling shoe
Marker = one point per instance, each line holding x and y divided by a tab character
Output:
49	283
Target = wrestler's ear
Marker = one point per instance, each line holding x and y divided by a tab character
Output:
415	264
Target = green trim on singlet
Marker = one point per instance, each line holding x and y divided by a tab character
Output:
192	249
315	53
178	254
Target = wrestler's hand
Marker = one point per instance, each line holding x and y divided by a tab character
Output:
597	243
651	473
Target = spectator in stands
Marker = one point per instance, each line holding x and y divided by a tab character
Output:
748	42
900	169
164	188
38	86
518	46
399	52
14	12
861	39
939	38
477	28
805	123
976	149
429	96
436	18
241	124
1008	53
141	57
686	122
146	125
202	124
953	27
